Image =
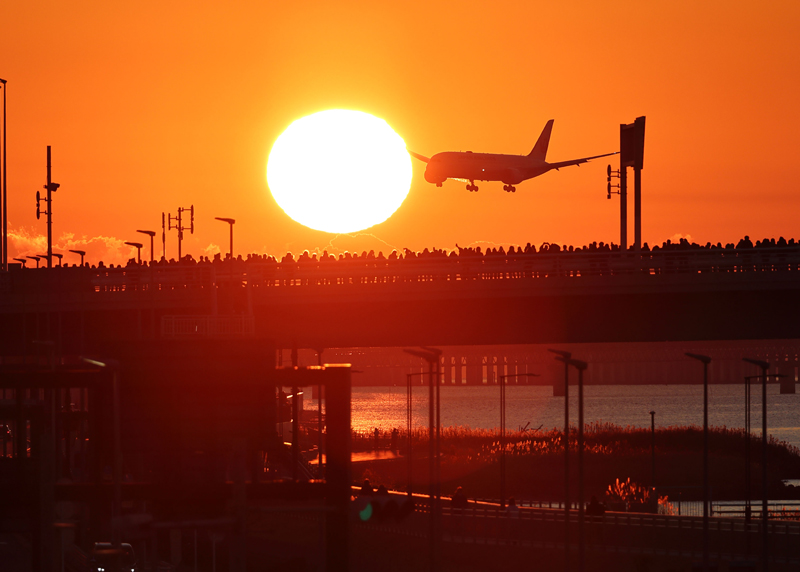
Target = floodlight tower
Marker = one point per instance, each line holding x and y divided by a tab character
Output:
631	154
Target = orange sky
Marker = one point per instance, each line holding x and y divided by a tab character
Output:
154	105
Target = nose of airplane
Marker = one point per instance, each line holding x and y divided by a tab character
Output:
432	176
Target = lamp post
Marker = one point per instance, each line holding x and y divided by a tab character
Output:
22	260
5	182
705	360
59	256
81	252
653	450
581	367
138	246
409	421
503	432
764	491
151	234
564	357
36	258
113	365
432	355
230	222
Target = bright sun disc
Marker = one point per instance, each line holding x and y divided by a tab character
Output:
339	171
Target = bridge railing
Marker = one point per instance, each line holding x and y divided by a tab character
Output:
622	532
378	271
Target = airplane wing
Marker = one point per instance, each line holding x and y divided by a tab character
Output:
422	158
557	166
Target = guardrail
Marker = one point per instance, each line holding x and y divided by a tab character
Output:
622	532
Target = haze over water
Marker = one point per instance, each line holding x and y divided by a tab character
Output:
479	407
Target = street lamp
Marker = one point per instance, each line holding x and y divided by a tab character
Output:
113	365
409	421
138	246
24	262
764	492
653	450
59	256
231	222
564	357
36	258
705	360
151	234
81	252
503	432
5	183
432	355
581	367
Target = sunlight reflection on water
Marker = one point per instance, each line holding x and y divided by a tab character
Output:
479	407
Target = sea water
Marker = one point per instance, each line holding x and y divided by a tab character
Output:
533	407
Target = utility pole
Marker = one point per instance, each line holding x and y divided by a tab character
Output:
50	187
179	226
164	236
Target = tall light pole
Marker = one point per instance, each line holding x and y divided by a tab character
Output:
409	421
581	367
230	222
653	450
5	182
138	246
764	489
565	356
113	366
503	432
432	355
4	244
705	360
81	252
151	234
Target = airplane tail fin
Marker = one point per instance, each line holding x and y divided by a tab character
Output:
539	151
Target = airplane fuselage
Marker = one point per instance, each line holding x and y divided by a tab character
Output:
510	169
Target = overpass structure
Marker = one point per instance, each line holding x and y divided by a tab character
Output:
198	394
679	299
680	295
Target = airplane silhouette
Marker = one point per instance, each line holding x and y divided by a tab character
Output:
510	169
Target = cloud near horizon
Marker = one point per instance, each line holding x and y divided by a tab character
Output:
26	242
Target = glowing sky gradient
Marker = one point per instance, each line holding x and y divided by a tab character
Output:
150	106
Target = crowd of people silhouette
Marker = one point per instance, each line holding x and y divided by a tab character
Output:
493	253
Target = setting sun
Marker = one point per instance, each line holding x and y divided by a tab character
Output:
339	171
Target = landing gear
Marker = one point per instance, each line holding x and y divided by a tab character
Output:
438	184
472	187
509	188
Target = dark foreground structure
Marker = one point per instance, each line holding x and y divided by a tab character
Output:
164	440
144	404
